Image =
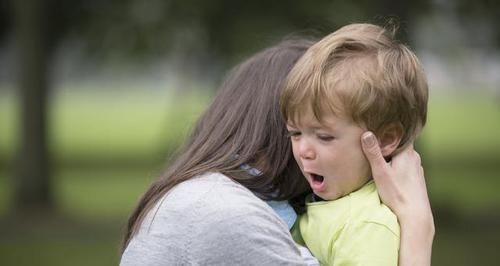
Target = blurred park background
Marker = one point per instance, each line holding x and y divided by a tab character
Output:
95	96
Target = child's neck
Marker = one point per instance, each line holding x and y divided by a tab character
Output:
316	198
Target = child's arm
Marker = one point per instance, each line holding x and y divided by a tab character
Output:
401	186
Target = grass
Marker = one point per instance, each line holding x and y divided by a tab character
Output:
108	124
59	252
471	243
102	195
464	124
108	147
53	239
465	191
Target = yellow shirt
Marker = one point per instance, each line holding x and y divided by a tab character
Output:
356	229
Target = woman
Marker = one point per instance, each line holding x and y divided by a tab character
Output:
209	208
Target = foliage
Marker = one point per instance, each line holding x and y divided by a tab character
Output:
220	30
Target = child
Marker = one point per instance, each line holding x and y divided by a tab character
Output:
356	79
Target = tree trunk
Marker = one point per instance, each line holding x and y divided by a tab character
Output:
32	188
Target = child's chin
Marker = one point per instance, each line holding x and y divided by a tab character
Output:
327	196
320	193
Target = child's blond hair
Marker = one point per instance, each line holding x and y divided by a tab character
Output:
361	72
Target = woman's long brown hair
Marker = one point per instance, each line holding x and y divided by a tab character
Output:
243	125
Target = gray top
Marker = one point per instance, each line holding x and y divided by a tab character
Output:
212	220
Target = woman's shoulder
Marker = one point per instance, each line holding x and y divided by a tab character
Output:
210	189
210	198
210	220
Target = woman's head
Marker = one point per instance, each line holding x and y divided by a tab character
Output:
243	125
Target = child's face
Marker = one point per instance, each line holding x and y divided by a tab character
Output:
330	155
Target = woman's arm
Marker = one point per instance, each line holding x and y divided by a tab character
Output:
401	185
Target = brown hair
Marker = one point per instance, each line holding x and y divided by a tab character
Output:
360	71
243	125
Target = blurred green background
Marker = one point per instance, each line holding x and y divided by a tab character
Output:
121	83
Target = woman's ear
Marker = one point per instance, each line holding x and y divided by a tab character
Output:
389	138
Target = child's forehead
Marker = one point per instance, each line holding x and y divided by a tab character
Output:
310	123
313	120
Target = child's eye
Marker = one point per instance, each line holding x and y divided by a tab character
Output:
324	137
293	134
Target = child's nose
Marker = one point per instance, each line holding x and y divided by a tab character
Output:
306	150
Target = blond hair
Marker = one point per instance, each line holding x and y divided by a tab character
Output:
361	72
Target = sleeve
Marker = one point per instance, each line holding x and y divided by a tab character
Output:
366	243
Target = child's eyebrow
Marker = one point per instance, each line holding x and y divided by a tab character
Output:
324	124
315	125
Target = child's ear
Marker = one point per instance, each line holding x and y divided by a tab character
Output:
389	138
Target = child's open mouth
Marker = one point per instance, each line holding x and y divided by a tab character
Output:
317	178
317	182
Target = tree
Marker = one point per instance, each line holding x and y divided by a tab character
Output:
32	178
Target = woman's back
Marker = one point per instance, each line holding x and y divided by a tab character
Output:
211	220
